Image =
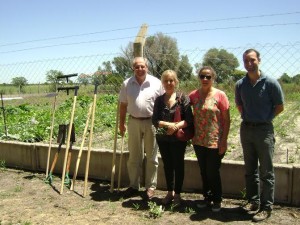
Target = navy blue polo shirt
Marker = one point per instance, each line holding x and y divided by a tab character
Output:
258	101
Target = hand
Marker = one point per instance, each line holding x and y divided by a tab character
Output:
172	128
223	147
122	129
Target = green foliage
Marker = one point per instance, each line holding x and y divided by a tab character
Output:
122	66
84	79
223	62
136	206
155	210
189	210
243	193
31	123
52	78
185	69
2	165
18	188
286	79
19	82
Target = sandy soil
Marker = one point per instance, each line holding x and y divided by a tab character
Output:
26	199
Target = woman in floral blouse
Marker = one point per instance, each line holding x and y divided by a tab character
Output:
212	122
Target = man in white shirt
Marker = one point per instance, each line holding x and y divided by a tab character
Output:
137	97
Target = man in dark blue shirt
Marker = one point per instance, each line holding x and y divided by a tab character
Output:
259	99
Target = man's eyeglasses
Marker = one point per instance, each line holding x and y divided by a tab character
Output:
205	76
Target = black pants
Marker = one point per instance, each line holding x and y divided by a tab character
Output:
172	154
209	162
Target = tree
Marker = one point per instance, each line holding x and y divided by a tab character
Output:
84	79
296	79
185	69
52	78
223	62
237	74
285	78
162	52
122	66
20	82
100	76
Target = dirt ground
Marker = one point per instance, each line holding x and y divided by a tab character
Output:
26	199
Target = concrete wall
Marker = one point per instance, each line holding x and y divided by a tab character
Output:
34	157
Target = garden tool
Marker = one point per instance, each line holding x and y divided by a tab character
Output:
90	142
81	147
120	163
90	112
115	149
75	88
62	129
53	116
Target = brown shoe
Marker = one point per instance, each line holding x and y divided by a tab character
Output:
261	215
149	193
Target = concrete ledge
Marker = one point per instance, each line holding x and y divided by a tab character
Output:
34	157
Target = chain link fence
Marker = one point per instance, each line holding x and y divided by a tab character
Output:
26	109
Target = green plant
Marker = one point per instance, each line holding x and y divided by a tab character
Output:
172	207
189	210
27	223
155	210
18	188
113	207
136	206
243	193
2	165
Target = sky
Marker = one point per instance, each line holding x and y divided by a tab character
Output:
35	29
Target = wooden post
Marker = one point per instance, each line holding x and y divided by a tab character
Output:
139	42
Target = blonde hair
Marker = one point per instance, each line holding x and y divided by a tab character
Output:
171	73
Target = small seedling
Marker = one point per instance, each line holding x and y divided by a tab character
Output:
243	193
189	210
155	210
2	165
113	207
172	207
136	206
18	188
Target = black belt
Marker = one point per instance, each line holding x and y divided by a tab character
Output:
256	124
140	118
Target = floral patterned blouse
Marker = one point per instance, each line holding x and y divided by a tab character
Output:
207	117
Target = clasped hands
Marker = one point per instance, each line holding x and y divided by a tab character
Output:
171	128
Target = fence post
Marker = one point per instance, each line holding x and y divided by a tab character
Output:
139	42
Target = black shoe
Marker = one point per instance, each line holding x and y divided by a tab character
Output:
130	192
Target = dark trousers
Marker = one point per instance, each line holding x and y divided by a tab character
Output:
209	162
258	146
172	154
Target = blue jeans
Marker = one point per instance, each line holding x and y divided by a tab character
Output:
209	162
258	147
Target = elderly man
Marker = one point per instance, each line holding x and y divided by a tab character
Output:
137	97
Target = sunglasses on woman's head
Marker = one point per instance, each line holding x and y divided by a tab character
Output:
205	76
